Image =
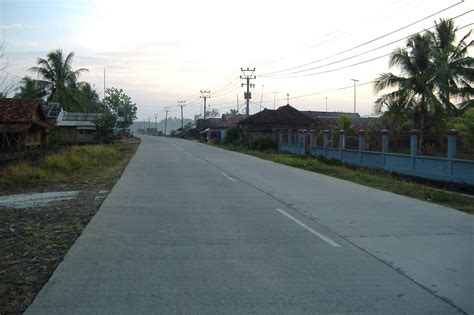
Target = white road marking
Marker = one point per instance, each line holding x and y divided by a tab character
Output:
321	236
202	160
230	178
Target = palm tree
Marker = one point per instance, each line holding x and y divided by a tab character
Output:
31	88
453	66
57	74
414	87
88	97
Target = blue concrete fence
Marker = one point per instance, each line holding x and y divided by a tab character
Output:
302	142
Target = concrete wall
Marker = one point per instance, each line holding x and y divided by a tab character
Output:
445	169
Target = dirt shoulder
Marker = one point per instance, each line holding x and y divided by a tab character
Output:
34	240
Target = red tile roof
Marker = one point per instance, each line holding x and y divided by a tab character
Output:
18	110
285	115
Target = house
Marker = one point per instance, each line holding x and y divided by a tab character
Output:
263	123
23	123
77	127
214	129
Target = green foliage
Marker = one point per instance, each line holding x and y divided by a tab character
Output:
435	70
262	143
60	79
465	124
104	127
69	163
53	139
233	136
344	123
121	105
30	88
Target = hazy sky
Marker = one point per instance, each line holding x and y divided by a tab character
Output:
160	52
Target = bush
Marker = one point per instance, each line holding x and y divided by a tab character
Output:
263	143
53	139
232	136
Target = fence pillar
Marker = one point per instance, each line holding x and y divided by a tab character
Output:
361	140
384	141
342	139
311	142
414	133
280	138
452	135
325	141
342	143
289	139
361	144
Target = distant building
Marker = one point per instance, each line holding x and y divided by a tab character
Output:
23	123
77	127
214	129
263	123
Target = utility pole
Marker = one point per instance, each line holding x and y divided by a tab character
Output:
105	106
156	126
205	95
326	104
274	98
148	128
182	104
288	98
166	109
355	83
248	75
261	97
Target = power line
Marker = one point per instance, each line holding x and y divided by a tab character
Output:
363	53
367	42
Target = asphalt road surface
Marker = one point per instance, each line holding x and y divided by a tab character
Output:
190	228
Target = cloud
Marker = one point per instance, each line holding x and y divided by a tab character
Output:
11	26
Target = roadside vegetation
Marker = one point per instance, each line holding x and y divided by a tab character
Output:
455	196
34	240
72	164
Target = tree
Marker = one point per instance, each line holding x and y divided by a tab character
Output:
30	88
6	83
88	97
414	87
104	127
60	79
453	66
121	105
465	124
212	114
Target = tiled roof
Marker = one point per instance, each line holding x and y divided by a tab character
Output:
285	115
329	115
18	110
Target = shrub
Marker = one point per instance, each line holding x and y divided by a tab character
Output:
232	136
53	139
262	143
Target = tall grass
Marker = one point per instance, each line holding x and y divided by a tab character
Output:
70	162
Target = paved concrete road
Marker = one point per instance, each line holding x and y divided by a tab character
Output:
194	229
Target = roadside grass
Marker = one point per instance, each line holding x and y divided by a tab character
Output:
371	178
34	240
69	164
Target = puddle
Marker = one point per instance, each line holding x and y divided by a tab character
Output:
37	199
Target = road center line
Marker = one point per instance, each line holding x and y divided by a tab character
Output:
321	236
230	178
202	160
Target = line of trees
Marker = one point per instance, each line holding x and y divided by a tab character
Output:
58	82
434	87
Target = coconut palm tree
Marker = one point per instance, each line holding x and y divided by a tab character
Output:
57	74
31	88
414	86
88	97
453	66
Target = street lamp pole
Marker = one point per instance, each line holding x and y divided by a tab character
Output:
355	84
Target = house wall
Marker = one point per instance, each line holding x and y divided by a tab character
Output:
72	135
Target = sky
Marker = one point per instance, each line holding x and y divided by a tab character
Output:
161	52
